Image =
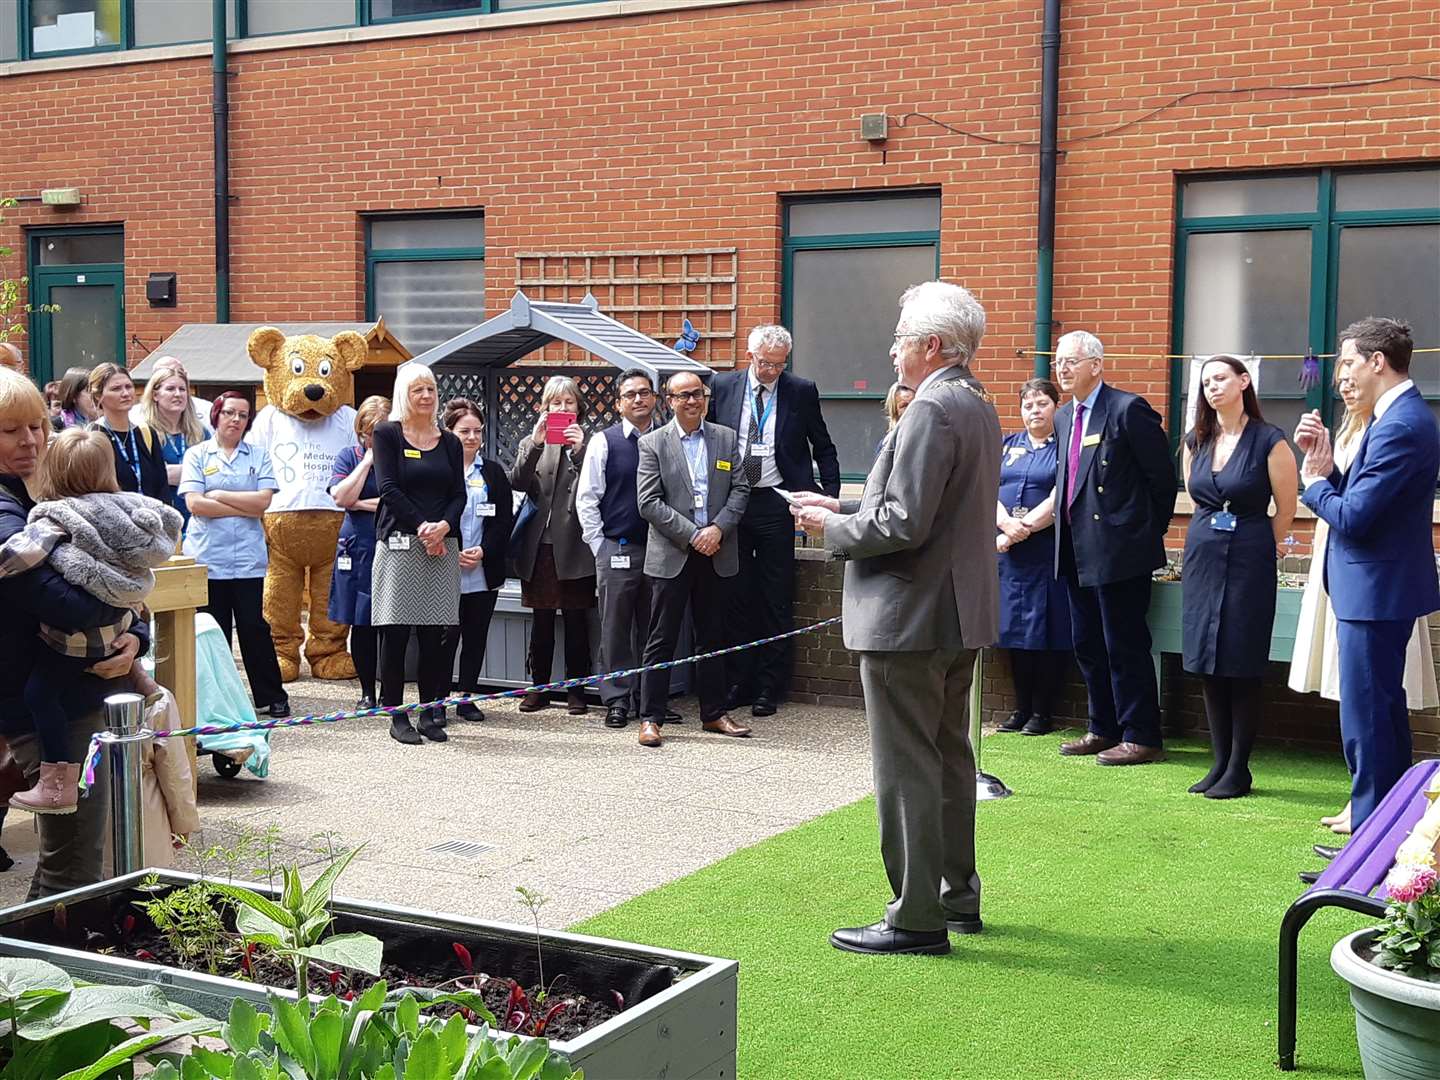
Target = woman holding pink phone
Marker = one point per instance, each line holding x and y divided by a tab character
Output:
555	566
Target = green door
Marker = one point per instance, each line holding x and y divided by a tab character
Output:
89	326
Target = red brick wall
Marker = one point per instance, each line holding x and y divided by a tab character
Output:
684	129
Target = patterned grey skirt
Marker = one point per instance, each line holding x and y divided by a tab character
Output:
411	588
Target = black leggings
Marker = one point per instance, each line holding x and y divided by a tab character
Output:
431	678
577	644
1038	674
236	604
365	650
476	609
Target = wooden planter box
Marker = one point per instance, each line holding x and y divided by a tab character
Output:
679	1022
1165	613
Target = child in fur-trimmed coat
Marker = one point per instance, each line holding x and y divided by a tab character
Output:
108	543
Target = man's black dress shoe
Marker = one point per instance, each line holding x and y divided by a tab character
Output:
1014	722
1325	851
884	939
616	716
964	924
735	697
279	710
764	705
364	703
673	717
1309	877
1038	725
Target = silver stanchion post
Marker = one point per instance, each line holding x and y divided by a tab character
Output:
124	742
987	787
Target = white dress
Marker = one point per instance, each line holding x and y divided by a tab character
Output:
1315	664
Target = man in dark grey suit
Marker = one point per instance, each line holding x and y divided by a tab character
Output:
921	596
693	492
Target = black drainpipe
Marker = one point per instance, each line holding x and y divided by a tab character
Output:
220	105
1045	242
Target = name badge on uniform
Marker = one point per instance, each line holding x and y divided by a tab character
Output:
1223	520
723	466
485	509
1091	440
412	453
398	542
211	470
699	503
762	450
477	481
619	562
343	563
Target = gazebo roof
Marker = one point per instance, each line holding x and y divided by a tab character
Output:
530	325
218	353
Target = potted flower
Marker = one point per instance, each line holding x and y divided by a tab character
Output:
1394	974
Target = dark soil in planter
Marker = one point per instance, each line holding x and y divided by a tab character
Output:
590	987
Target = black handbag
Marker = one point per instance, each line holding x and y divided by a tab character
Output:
522	519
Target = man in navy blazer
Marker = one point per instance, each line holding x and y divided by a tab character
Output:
783	441
1380	561
1114	494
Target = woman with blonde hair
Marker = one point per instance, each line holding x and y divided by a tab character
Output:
555	566
415	582
166	406
355	490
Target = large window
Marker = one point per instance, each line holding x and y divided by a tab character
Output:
425	275
1278	265
847	260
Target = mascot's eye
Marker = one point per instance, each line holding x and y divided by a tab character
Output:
324	369
297	365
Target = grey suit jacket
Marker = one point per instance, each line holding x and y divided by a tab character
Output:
921	541
549	475
666	496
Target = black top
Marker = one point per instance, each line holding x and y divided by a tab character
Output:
139	449
417	485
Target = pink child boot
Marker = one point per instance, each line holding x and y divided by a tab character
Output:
56	792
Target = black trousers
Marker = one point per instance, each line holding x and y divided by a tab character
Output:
235	603
763	599
432	678
542	644
365	651
476	609
708	596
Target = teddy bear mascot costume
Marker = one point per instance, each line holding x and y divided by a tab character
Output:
307	422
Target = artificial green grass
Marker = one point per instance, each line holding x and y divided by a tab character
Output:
1130	931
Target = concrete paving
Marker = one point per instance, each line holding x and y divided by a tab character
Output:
552	802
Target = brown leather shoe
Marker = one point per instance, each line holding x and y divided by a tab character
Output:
1129	753
723	725
534	702
649	733
1090	744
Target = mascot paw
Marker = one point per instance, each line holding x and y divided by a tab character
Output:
289	669
335	666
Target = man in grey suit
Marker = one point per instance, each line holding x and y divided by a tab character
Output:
693	492
921	596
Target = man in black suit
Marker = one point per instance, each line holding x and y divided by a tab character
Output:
777	416
1115	492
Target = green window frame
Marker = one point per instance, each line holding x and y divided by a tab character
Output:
1325	223
377	256
365	9
793	245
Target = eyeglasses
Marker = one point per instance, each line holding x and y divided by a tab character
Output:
770	365
232	414
637	395
1067	364
902	337
688	395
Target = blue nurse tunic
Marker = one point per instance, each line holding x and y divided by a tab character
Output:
1034	610
350	581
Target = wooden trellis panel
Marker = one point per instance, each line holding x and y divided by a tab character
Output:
653	291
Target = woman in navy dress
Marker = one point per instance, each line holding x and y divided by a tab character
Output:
1234	464
354	488
1034	611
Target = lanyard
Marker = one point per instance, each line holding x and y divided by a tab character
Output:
694	460
132	456
769	408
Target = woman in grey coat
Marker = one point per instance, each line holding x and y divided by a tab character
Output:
555	566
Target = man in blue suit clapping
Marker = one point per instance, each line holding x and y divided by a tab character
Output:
1380	562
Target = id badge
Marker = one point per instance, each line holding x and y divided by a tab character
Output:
762	450
398	542
343	563
1223	520
619	562
699	502
486	509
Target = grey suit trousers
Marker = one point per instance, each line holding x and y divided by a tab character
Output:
624	621
72	846
918	705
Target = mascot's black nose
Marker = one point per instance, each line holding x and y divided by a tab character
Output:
314	392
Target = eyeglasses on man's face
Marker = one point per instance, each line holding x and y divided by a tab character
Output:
1070	363
770	365
687	395
637	395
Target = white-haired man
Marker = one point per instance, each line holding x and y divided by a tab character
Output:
921	595
783	442
1114	495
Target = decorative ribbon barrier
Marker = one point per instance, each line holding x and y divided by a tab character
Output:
92	756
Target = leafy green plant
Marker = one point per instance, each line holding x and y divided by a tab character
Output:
533	900
12	310
55	1027
190	921
1410	935
297	928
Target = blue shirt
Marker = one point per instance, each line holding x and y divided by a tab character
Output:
699	462
1089	404
477	494
229	547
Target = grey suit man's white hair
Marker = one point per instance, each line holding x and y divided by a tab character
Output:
769	337
1088	344
949	312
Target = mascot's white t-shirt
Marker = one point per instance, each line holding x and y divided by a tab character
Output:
303	455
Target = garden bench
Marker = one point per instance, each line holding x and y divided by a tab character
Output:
1349	881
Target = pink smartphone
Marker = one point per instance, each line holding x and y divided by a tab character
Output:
555	425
